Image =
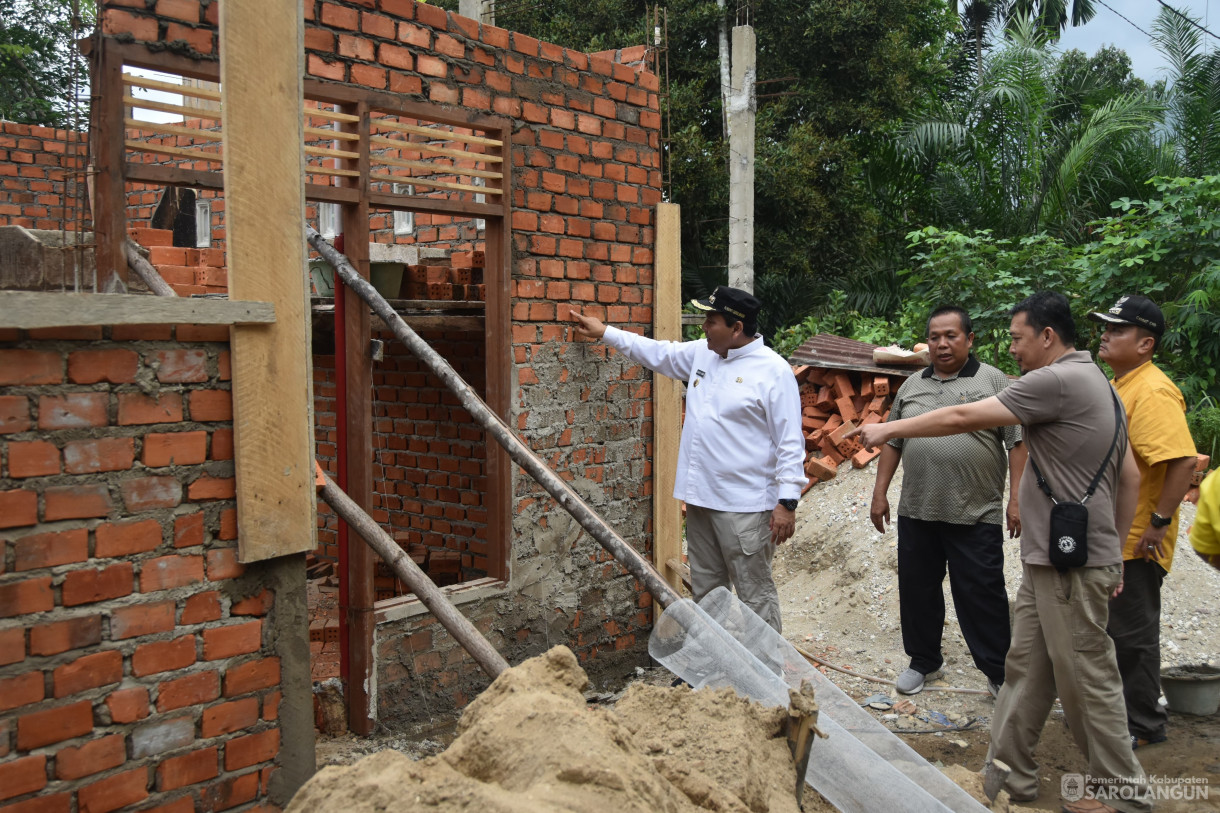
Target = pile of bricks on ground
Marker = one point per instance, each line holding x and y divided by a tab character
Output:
444	567
461	280
1200	472
187	270
834	402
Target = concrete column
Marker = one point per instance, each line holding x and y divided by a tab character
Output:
481	10
742	108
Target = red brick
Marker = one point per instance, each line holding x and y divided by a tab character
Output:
211	405
113	792
18	508
114	539
116	366
243	752
185	804
175	448
141	619
137	409
89	585
102	454
252	676
191	690
201	608
180	366
212	488
76	410
231	792
88	672
26	596
223	564
14	414
23	368
75	502
21	690
21	776
93	757
237	639
163	656
168	572
39	728
148	493
189	769
228	525
12	650
222	444
32	458
50	549
259	604
128	705
61	636
188	530
43	803
229	717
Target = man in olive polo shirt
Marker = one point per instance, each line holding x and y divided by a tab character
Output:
1165	455
951	508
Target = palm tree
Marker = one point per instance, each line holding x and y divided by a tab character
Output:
1192	94
1000	157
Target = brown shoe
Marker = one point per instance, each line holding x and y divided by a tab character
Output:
1088	806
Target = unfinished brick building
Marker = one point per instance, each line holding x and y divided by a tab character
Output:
155	652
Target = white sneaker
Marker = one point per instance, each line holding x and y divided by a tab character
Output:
911	681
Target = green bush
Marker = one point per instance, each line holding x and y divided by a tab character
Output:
1204	423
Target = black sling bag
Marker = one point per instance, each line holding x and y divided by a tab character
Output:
1069	545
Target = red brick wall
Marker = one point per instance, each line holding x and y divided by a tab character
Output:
39	180
138	661
586	179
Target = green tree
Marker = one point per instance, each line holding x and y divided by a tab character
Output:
41	74
1192	97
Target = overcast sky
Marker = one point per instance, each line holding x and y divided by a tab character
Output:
1109	28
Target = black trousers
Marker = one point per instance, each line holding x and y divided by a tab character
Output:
974	558
1135	626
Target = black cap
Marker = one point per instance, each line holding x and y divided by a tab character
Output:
733	301
1133	310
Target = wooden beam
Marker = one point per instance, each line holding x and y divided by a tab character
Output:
27	310
109	196
497	371
261	56
360	558
667	396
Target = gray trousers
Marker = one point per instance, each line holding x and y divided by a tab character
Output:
1059	646
728	549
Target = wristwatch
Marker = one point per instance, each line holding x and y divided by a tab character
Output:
1158	521
789	504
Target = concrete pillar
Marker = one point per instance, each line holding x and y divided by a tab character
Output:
481	10
742	109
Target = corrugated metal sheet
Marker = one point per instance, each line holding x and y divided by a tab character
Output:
837	353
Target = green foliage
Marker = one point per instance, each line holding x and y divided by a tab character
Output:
838	319
40	70
1204	423
1167	248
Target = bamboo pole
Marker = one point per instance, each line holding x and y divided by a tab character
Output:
522	455
145	270
425	590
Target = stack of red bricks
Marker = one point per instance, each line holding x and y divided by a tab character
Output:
187	270
461	280
834	402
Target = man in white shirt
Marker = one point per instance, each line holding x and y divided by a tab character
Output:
741	457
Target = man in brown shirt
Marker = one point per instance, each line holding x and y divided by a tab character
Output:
1067	410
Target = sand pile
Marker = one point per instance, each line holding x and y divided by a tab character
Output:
531	743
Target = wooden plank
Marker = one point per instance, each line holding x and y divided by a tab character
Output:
497	366
182	90
167	175
439	169
419	146
109	198
418	181
358	331
331	194
168	107
178	152
442	206
432	132
27	310
265	214
172	129
667	395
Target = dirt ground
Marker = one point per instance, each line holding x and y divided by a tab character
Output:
838	589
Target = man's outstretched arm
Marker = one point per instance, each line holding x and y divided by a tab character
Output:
950	420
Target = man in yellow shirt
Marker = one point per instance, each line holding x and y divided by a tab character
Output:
1165	455
1205	533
